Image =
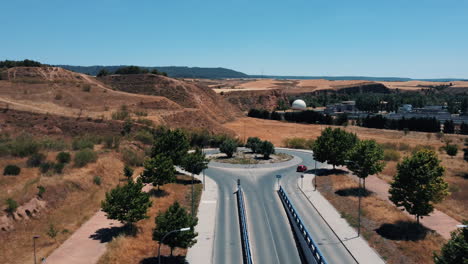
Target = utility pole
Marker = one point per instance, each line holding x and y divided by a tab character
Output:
359	210
193	202
315	176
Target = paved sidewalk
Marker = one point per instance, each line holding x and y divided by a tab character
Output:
89	242
202	251
356	245
437	221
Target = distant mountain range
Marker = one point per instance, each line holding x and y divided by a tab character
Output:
172	71
221	73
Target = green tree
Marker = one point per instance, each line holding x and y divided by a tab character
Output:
176	217
128	172
127	204
195	162
171	143
366	158
419	183
228	147
266	148
12	205
253	143
333	146
158	171
102	73
456	249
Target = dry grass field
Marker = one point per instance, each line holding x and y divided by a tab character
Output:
385	228
455	205
141	248
71	198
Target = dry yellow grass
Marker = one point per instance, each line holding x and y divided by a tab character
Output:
456	205
378	215
72	198
129	250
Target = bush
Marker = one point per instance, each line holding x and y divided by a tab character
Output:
84	157
422	147
35	160
145	122
24	145
40	190
12	205
58	167
229	147
404	147
451	150
298	143
389	145
111	142
63	157
82	143
97	180
86	88
11	170
121	114
144	137
44	167
132	157
53	144
141	113
391	155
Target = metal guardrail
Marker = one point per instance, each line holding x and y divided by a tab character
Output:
243	225
311	245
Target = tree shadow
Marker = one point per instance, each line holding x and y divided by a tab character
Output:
326	172
354	191
105	235
403	230
187	181
165	260
158	193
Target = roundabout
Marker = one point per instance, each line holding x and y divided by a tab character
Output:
271	237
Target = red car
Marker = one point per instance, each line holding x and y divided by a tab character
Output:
301	168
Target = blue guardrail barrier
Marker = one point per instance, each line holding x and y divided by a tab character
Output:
307	238
243	226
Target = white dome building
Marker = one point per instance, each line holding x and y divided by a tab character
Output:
299	105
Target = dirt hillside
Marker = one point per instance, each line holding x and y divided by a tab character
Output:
164	101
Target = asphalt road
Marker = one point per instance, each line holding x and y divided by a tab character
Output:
271	237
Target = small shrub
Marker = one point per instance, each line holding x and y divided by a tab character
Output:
58	167
389	145
58	97
391	155
128	172
86	88
46	166
451	150
12	205
144	137
127	127
35	160
52	232
111	142
84	157
63	157
97	180
40	190
24	145
82	143
11	170
132	157
53	144
298	143
406	131
145	122
421	147
404	147
141	113
121	114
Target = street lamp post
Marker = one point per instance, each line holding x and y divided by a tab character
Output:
173	231
315	176
34	245
359	201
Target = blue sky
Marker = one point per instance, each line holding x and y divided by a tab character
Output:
417	38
